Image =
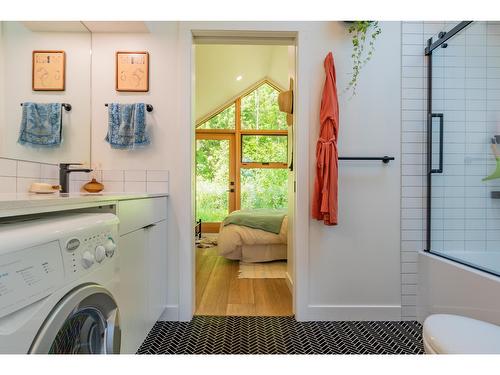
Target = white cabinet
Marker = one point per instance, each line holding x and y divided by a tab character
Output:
143	268
131	298
156	271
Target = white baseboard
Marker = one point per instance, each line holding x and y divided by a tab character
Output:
171	313
351	312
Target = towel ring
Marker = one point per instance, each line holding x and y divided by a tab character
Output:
149	107
66	106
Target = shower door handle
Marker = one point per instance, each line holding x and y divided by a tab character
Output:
441	128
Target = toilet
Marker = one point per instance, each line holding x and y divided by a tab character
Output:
454	334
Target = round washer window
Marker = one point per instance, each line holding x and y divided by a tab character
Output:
82	333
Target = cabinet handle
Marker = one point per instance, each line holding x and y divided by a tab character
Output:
149	226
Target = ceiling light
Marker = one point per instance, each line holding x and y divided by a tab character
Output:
239	78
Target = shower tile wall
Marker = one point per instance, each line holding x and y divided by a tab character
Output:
467	91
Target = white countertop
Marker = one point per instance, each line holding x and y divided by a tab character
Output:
9	202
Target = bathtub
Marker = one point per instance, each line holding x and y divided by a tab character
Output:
446	286
488	261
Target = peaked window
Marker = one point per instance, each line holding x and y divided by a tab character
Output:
260	111
222	120
242	157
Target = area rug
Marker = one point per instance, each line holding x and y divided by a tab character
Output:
206	241
268	270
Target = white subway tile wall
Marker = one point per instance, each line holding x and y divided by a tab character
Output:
16	176
466	88
413	192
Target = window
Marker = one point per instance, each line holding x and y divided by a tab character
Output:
223	120
242	157
260	111
264	148
264	188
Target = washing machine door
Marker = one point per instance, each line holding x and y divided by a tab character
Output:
85	321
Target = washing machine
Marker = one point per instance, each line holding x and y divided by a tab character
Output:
58	284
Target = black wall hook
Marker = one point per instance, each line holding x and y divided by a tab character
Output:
149	107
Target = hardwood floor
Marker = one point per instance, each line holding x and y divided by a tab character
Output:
219	291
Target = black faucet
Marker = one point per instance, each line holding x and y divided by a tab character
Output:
64	171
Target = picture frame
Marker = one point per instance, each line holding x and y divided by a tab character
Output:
48	70
132	71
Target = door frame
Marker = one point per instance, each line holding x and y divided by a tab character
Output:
213	227
295	34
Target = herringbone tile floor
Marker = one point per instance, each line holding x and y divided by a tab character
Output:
281	335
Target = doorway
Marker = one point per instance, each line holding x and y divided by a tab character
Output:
243	163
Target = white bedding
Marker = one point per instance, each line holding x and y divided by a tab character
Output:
238	242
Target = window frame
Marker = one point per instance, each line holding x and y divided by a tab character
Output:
262	164
238	133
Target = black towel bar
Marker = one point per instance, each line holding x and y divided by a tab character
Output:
66	106
149	107
384	159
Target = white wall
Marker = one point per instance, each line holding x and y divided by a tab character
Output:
217	67
161	45
166	147
18	44
414	159
351	271
2	83
354	268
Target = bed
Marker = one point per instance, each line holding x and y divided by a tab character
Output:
249	244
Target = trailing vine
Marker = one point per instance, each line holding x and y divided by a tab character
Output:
362	32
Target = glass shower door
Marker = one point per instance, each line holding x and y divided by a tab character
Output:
464	209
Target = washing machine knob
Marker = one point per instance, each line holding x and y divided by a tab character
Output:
110	247
100	253
87	259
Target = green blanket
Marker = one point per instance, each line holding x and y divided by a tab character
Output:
269	220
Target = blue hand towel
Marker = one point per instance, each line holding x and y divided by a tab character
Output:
41	125
127	126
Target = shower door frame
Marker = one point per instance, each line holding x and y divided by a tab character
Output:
443	37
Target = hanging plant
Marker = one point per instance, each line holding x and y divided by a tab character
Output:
362	32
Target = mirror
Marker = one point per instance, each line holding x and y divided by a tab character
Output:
18	41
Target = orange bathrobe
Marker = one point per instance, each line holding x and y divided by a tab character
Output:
325	204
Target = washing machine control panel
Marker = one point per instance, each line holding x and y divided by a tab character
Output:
89	250
29	275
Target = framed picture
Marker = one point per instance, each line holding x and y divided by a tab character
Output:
49	71
132	71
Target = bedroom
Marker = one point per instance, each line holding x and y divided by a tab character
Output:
244	177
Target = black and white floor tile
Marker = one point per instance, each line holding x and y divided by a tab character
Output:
281	335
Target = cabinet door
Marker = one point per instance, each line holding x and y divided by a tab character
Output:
156	262
132	300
